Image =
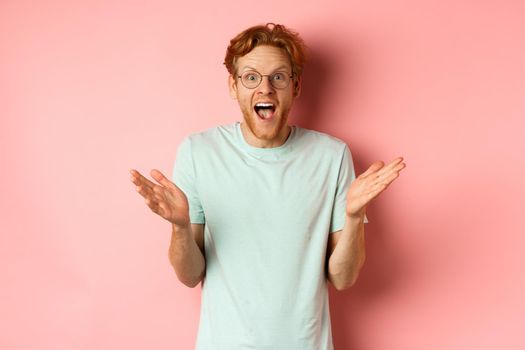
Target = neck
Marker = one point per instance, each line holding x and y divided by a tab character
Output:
254	141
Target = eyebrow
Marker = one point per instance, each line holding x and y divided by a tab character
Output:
276	69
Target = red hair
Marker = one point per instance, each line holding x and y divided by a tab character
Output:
270	34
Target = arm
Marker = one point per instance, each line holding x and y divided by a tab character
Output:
186	253
346	248
346	252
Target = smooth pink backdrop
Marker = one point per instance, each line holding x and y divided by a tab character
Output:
90	89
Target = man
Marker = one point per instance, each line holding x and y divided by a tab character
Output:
263	212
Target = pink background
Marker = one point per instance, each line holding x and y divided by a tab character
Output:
91	89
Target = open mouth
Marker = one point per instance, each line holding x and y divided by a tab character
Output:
265	110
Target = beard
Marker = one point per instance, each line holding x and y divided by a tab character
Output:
270	132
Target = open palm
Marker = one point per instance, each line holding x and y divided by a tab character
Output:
370	184
164	198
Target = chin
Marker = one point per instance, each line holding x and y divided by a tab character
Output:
268	132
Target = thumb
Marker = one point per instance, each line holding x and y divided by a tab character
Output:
373	168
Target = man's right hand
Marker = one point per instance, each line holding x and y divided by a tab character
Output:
164	199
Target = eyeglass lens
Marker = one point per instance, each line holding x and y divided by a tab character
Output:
252	79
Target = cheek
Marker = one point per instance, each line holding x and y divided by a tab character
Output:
287	99
246	100
245	103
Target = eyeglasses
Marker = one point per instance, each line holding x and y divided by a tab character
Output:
251	79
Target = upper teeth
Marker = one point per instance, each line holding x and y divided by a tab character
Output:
263	104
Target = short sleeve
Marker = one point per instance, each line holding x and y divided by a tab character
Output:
184	177
345	178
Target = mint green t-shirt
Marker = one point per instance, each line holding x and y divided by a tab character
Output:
267	213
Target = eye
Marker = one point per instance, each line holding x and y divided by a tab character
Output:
278	76
251	76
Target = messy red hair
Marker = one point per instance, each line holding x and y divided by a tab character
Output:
270	34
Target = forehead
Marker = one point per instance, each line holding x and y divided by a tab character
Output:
265	58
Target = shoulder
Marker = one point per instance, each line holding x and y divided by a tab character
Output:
317	140
210	137
209	141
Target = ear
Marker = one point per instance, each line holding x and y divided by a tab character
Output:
297	87
232	85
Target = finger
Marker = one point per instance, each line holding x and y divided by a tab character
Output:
391	165
388	180
380	168
159	189
372	169
391	168
135	176
144	191
396	170
376	190
161	179
153	199
397	160
140	180
152	204
400	167
383	184
162	194
159	207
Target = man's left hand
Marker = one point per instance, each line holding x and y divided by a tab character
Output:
370	184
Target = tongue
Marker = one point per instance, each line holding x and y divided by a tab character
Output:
265	113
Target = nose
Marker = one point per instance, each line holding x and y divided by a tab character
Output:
265	87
